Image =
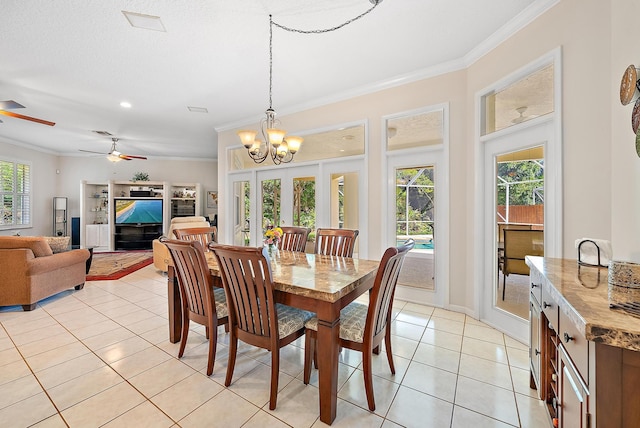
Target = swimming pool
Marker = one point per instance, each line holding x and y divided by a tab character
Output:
419	245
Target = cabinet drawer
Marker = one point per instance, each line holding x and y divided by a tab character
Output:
575	344
535	284
550	308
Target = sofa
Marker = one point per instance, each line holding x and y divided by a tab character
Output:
32	272
161	256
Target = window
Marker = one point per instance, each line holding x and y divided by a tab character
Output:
15	191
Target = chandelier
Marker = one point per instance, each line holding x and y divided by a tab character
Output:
275	142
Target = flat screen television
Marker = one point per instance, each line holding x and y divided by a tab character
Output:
138	211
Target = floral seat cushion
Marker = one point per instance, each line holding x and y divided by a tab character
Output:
353	318
291	319
221	302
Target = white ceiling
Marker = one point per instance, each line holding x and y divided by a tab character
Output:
72	62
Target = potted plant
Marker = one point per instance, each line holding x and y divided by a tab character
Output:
140	176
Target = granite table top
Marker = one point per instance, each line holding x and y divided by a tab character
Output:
584	295
326	278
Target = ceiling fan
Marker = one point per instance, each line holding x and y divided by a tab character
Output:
11	105
522	117
114	155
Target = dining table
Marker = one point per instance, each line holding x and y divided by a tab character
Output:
318	283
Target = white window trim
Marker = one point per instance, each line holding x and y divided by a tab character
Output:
16	162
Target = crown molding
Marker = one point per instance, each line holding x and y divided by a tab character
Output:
524	18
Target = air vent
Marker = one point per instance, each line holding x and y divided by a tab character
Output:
103	133
198	109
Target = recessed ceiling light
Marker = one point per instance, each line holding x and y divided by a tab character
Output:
147	22
125	104
198	109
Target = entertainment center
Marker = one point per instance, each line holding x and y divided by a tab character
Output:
126	215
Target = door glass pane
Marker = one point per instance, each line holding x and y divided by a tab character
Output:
344	200
519	102
332	144
520	224
420	130
270	203
241	205
415	208
304	202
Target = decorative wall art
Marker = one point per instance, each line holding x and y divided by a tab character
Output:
212	199
630	90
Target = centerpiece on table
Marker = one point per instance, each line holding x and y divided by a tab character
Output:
271	237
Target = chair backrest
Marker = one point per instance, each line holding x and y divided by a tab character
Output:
204	235
248	284
516	226
186	222
336	242
517	245
293	238
194	279
384	286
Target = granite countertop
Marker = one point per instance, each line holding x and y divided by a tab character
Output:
584	295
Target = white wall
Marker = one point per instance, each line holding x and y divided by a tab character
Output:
625	170
44	182
47	183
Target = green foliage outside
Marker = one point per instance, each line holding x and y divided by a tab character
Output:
415	201
526	176
304	203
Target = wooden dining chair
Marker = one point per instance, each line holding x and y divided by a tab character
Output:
293	238
336	242
201	302
364	327
254	316
204	235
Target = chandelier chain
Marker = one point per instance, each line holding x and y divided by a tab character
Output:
325	30
270	60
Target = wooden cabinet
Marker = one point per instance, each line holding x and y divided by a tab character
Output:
136	237
97	208
185	200
574	394
585	382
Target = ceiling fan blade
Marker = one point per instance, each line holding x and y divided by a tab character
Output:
10	105
32	119
89	151
129	157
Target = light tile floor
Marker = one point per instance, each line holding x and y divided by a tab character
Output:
101	357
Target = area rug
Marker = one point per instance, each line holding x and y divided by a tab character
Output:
115	265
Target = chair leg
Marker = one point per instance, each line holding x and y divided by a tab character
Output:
368	379
387	344
504	284
233	348
206	332
212	348
309	352
183	336
275	370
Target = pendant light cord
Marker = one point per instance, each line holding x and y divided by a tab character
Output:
325	30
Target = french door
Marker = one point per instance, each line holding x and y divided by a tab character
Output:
418	207
535	138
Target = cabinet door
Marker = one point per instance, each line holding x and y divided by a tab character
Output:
103	235
574	395
534	347
92	237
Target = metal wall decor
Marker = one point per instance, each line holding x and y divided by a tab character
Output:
630	90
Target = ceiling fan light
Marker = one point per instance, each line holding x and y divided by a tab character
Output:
294	143
276	136
247	137
113	157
